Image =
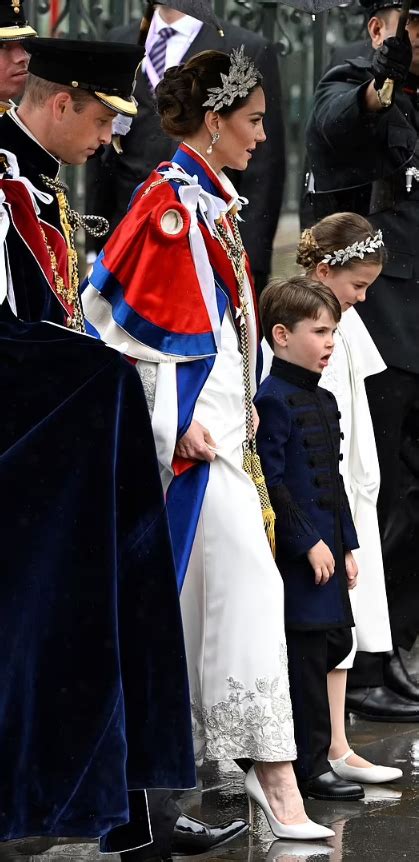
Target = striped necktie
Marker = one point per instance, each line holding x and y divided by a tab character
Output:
157	53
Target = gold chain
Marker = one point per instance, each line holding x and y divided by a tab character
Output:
77	321
69	294
234	249
66	293
154	185
95	225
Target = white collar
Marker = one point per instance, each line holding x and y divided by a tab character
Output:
186	25
14	116
224	180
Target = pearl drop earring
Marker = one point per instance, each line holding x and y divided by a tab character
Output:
215	137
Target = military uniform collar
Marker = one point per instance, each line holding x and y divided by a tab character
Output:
34	151
301	377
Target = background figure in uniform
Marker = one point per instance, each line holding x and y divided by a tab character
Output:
111	178
173	284
13	57
344	99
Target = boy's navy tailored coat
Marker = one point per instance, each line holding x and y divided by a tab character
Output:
298	440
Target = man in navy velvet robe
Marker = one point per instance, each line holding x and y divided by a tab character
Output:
94	696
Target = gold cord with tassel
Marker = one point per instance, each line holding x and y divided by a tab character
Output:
251	461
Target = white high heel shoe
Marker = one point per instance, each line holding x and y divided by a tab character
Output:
364	774
307	831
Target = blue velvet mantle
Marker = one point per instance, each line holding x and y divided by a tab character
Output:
94	694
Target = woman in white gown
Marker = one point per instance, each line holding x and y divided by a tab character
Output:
172	289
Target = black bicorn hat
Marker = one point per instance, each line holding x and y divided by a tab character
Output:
105	69
13	23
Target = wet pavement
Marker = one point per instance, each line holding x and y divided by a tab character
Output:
384	827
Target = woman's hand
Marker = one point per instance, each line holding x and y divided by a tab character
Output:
322	561
351	570
195	443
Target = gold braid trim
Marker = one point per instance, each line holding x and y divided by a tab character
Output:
251	461
69	294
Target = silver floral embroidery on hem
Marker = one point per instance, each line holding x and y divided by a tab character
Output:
148	375
249	723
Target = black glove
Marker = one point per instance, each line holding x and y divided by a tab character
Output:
392	60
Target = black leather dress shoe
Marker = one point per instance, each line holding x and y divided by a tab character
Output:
190	836
381	704
397	678
330	786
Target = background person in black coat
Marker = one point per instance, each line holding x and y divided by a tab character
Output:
112	178
359	151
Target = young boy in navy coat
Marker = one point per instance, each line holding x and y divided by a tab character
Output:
298	441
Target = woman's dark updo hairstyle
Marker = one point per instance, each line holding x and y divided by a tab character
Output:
183	90
333	233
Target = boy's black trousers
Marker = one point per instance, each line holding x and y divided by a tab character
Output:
311	655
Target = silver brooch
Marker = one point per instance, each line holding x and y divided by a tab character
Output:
358	249
241	78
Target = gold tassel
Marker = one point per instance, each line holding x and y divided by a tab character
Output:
253	467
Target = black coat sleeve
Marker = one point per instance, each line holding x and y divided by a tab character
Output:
348	145
263	181
295	533
349	536
339	109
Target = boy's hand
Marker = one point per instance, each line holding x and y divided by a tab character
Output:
351	569
322	561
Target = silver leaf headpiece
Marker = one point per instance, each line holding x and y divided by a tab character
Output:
357	249
241	78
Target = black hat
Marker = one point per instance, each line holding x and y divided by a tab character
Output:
13	23
106	69
374	6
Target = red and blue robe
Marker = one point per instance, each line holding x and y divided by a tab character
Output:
145	287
